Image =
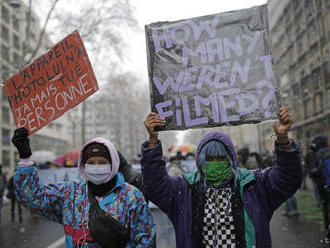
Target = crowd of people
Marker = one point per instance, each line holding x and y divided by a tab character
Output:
227	201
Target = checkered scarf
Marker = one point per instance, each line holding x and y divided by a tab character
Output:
218	221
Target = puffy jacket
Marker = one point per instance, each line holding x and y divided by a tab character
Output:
68	204
262	191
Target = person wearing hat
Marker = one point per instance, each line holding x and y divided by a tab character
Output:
222	205
104	211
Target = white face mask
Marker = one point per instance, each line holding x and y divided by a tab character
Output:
98	174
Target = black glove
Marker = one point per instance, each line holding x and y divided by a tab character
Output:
22	142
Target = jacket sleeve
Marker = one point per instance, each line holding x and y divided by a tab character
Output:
283	179
46	200
162	189
143	229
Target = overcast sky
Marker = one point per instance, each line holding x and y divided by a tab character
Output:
149	11
146	12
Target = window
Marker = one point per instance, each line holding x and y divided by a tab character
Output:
321	27
16	60
5	33
298	111
305	87
308	108
295	4
5	115
15	23
326	68
5	53
299	22
296	91
5	158
6	136
32	36
311	34
16	41
4	72
4	13
309	8
318	103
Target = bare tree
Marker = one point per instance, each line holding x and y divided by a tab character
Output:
101	24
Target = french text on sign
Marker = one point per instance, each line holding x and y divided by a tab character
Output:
52	84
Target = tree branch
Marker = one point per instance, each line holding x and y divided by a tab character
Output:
42	31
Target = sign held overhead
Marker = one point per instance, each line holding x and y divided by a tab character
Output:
212	70
52	84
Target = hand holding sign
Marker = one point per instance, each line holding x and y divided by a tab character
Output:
21	142
152	121
283	125
52	84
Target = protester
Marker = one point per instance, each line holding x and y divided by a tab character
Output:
222	205
310	161
104	211
175	168
322	153
131	175
250	161
291	207
305	173
13	201
260	162
242	156
2	188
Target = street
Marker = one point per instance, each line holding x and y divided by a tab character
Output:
37	232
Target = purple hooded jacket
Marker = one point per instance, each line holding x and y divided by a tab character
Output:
262	191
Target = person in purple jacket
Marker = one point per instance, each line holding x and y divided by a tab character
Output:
222	205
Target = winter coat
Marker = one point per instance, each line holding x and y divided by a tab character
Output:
68	204
262	191
320	146
10	188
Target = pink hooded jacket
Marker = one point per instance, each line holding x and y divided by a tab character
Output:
113	154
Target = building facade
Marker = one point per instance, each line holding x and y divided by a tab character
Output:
300	31
19	34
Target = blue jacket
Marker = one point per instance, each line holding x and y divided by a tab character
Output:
262	191
67	204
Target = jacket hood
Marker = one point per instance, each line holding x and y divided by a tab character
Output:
319	141
113	153
224	139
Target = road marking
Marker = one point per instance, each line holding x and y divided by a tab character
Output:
57	243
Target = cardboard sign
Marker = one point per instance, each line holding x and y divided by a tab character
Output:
52	84
212	70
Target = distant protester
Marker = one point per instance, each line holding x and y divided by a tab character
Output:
13	201
3	182
321	176
104	211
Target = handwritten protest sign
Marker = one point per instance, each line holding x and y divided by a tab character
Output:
52	84
212	70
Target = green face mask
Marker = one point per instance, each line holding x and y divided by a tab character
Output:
217	171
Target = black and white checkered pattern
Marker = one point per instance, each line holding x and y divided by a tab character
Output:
218	222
